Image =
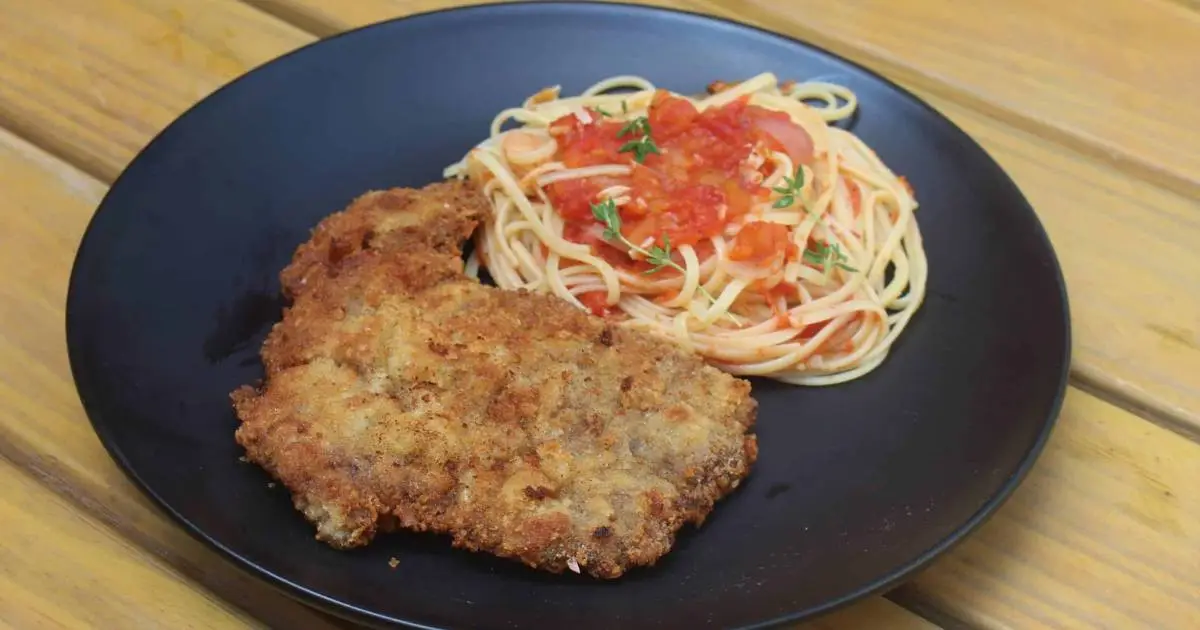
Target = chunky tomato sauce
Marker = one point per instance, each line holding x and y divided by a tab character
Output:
700	179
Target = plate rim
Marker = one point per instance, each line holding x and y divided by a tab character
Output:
357	614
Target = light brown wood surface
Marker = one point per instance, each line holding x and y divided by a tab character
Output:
55	554
1086	107
94	80
44	208
1062	73
1136	316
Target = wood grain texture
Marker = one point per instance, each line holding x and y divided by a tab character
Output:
1105	533
1117	80
43	211
1128	249
1136	317
109	74
1064	72
875	612
43	430
60	568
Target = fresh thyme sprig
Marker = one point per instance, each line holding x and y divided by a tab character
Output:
641	146
606	213
659	257
824	255
639	125
791	188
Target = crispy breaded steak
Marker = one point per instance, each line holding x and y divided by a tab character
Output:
401	393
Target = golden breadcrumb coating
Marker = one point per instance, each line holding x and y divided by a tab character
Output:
402	393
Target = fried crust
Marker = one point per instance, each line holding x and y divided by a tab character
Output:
438	217
401	393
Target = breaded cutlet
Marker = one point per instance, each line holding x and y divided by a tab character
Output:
401	393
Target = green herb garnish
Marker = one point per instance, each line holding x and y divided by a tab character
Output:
658	256
639	125
643	145
641	148
606	213
791	189
825	255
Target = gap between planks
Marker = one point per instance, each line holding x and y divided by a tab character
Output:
1099	387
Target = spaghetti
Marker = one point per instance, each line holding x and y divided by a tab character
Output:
740	224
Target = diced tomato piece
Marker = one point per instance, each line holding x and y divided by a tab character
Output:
700	207
647	182
565	124
759	242
739	199
573	198
648	228
596	302
587	144
688	192
670	116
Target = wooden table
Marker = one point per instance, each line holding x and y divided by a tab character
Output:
1091	105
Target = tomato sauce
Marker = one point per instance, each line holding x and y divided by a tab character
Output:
760	242
698	182
596	302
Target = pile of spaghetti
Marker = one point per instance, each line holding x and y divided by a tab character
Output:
741	224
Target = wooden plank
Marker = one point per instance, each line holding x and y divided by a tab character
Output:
1051	68
1064	555
1105	533
43	211
111	73
875	612
1045	67
59	568
1127	345
1128	250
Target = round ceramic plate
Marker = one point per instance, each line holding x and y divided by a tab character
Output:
857	485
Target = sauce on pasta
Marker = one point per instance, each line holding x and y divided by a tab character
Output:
741	224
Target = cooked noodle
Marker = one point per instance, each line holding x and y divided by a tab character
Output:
815	324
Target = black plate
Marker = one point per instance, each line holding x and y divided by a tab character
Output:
857	485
